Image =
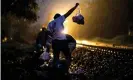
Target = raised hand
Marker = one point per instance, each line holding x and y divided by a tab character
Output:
76	4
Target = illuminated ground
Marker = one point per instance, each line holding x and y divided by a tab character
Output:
88	62
81	43
103	63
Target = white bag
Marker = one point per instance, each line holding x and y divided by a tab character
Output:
45	56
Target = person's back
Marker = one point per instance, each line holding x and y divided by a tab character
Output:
56	27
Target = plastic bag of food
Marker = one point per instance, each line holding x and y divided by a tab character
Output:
78	18
45	56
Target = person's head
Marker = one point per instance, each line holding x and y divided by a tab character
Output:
57	15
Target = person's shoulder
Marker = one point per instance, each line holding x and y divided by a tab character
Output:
62	16
51	22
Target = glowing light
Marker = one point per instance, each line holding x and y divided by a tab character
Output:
78	41
41	29
85	42
4	40
66	21
78	45
65	31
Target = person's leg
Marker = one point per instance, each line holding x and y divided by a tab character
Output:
67	53
55	53
67	56
56	57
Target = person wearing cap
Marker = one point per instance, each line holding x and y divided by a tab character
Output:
59	40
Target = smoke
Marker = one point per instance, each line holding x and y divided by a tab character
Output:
47	7
103	18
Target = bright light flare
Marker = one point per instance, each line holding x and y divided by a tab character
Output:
66	21
78	45
85	42
65	31
5	39
79	41
41	29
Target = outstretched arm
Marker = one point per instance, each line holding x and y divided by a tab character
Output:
71	10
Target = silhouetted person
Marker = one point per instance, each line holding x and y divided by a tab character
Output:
40	44
41	39
59	40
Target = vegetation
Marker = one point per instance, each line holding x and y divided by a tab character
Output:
17	16
21	8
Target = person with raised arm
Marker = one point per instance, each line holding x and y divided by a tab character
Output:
59	40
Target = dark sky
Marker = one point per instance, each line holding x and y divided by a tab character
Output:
103	18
